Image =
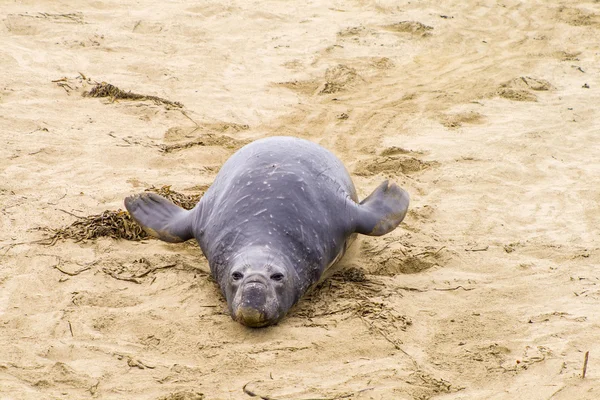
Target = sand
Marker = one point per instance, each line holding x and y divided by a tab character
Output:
486	112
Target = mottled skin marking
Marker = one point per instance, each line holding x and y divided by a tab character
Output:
279	213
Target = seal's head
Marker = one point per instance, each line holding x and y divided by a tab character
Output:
259	288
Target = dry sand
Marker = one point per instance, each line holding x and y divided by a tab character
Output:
487	112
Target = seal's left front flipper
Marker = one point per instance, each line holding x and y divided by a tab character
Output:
382	211
160	217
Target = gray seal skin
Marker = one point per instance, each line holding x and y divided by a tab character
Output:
280	212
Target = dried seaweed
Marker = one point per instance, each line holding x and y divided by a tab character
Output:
116	224
351	274
187	201
253	393
168	148
206	140
382	316
104	89
76	17
339	78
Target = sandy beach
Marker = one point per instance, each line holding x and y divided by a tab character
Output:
486	112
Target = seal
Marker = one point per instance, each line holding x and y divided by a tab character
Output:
279	213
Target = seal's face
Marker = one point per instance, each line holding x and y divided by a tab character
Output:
259	290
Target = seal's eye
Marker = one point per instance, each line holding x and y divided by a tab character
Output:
277	277
237	276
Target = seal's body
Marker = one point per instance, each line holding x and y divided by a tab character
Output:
279	213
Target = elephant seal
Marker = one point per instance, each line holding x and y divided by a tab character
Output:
280	212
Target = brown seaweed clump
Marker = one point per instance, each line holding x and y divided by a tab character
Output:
187	201
104	89
117	224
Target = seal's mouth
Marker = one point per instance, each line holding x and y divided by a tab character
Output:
251	317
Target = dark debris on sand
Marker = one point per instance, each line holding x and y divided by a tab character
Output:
187	201
117	224
104	89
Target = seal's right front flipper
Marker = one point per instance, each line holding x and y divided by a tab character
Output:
160	217
382	211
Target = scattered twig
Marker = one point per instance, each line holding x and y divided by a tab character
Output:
557	392
121	278
333	312
585	363
70	328
411	289
11	245
441	248
386	337
454	288
57	266
429	253
267	397
8	247
205	140
64	86
252	394
143	274
70	213
188	117
381	250
178	146
94	388
288	348
135	142
132	362
478	249
114	93
75	17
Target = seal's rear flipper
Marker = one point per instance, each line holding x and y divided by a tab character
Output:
382	211
160	217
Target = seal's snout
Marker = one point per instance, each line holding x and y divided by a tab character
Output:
252	308
258	287
254	295
251	317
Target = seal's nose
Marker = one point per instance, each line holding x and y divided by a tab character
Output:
254	295
252	308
